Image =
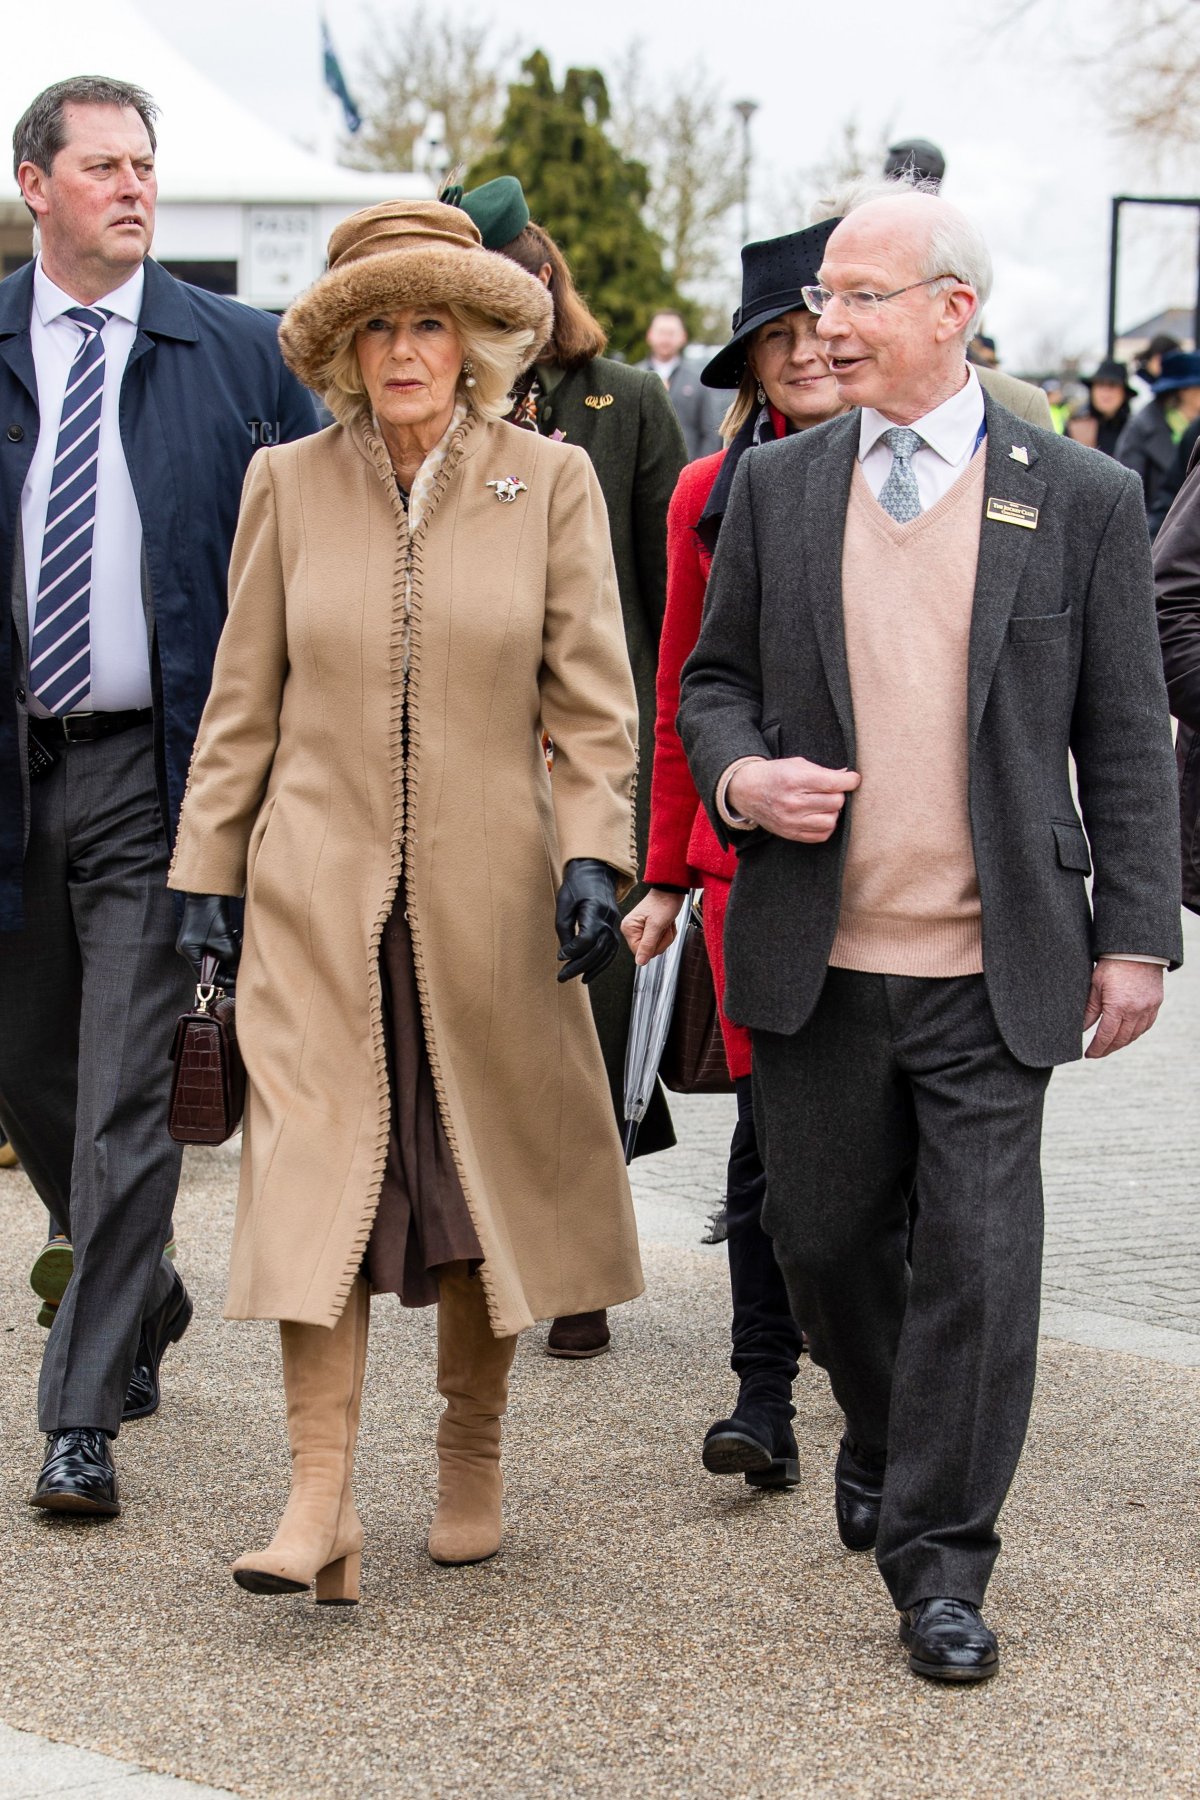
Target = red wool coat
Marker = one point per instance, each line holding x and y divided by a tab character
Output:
684	850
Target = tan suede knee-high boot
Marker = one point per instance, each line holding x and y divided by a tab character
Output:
320	1536
473	1371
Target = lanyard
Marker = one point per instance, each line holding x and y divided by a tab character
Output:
981	433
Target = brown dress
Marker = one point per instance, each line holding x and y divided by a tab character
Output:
422	1221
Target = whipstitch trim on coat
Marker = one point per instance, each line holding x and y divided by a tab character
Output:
405	659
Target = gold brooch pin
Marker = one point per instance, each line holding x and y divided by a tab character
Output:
597	400
508	488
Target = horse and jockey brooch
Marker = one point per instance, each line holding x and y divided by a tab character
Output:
508	488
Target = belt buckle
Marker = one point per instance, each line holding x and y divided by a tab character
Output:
70	736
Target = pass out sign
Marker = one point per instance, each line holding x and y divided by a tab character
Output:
280	253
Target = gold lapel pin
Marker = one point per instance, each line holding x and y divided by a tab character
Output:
597	400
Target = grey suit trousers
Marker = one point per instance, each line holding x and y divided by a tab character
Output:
894	1078
89	994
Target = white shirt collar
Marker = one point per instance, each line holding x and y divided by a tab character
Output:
51	302
950	429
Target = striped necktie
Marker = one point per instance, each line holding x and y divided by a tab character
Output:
60	657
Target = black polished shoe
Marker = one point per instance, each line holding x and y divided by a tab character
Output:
757	1442
857	1496
947	1640
78	1475
162	1329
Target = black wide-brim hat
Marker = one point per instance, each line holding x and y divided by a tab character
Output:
1116	374
773	273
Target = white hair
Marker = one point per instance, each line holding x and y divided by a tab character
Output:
845	196
955	246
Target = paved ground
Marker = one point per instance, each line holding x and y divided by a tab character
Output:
647	1630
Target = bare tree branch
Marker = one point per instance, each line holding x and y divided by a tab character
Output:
683	130
422	64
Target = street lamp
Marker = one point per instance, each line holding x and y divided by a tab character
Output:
745	110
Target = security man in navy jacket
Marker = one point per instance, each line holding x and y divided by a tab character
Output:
130	406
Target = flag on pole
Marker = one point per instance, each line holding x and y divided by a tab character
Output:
335	81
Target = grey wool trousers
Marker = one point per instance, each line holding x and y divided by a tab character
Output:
89	993
893	1079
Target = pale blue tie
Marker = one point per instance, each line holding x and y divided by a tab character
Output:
898	496
60	657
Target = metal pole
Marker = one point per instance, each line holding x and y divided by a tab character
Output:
1113	242
1196	320
1118	201
745	110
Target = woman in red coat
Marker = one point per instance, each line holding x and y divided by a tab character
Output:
781	373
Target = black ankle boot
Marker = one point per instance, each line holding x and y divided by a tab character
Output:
757	1441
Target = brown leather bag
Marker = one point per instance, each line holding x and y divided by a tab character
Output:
693	1058
208	1088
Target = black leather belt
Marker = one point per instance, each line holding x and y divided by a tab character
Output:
85	728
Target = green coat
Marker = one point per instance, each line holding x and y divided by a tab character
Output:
625	421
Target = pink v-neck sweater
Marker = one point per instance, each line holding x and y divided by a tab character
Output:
910	894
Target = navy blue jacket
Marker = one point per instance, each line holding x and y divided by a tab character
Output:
204	387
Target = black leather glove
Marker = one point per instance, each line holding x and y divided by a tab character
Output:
210	928
587	919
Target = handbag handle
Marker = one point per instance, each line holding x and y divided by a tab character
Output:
208	988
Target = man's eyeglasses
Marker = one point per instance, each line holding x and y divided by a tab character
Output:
860	301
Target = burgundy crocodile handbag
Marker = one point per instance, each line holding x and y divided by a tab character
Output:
693	1058
208	1087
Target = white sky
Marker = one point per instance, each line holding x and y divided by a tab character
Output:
1022	128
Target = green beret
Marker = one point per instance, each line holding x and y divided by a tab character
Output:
498	208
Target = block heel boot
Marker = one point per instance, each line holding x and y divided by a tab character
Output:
473	1368
320	1535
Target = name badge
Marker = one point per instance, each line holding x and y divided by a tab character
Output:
1012	512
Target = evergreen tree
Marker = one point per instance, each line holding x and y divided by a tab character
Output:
587	195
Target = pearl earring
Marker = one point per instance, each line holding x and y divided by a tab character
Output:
468	370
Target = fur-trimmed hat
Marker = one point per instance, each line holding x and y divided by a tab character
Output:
406	253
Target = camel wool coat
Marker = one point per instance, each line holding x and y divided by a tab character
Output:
301	795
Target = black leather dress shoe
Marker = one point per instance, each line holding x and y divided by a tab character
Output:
857	1496
78	1475
163	1328
947	1640
757	1442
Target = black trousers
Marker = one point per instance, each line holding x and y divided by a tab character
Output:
89	994
766	1339
894	1078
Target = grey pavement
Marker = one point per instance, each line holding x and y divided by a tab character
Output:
647	1630
32	1766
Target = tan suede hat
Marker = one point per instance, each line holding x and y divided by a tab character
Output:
407	253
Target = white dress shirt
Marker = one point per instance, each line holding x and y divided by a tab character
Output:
120	644
950	435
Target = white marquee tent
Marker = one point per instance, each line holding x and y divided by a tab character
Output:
241	208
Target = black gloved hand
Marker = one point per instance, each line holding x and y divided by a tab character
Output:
210	928
587	919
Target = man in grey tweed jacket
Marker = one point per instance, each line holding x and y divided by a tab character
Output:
918	614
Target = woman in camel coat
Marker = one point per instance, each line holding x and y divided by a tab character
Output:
417	594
